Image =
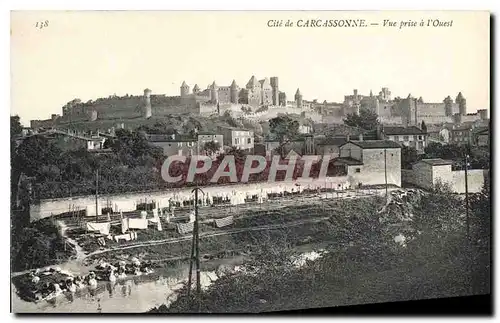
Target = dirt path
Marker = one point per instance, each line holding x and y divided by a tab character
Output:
80	254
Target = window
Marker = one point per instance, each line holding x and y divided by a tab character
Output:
358	170
396	138
405	138
249	140
236	141
420	138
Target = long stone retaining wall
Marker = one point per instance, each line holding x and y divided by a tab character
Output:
129	201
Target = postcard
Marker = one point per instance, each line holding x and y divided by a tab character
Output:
249	161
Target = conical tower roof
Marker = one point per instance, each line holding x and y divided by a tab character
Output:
298	92
196	88
233	84
184	84
252	82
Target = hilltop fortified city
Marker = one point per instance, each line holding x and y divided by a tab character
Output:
212	190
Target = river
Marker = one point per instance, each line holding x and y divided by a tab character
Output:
138	294
135	295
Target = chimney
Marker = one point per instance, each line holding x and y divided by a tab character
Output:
360	137
348	138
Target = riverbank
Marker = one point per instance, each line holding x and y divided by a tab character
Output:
138	294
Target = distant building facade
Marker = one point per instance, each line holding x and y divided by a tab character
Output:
174	144
207	137
427	173
409	136
239	138
371	162
482	137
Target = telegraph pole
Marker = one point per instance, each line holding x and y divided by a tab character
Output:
195	249
96	194
467	195
191	260
197	232
385	174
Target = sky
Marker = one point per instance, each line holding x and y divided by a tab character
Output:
92	54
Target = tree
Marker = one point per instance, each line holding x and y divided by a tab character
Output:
284	129
35	152
230	120
423	126
15	126
239	155
211	147
408	156
480	206
367	119
132	146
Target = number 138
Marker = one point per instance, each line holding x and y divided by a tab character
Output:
41	24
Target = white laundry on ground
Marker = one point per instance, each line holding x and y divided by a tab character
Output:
192	217
211	200
127	237
102	227
124	223
138	223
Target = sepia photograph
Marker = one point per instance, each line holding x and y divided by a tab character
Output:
242	162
